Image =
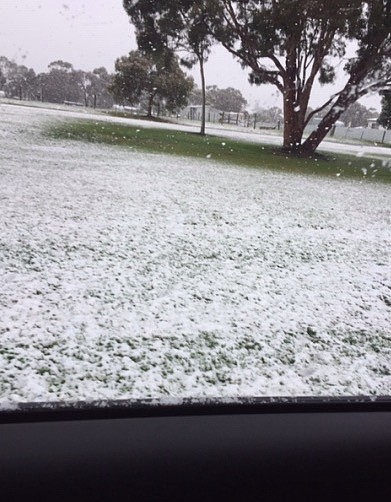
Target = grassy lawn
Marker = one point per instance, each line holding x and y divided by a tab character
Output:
225	150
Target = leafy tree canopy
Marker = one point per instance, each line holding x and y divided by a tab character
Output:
172	25
227	100
357	115
159	78
16	80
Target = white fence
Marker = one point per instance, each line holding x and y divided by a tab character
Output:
338	132
364	134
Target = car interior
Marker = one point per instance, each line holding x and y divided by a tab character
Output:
233	449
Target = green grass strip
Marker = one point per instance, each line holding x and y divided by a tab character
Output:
220	149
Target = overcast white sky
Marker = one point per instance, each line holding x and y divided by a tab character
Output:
92	33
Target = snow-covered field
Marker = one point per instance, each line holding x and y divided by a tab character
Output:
127	275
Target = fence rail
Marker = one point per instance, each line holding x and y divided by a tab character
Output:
365	134
360	134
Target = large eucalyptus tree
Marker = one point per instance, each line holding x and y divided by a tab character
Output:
287	43
291	43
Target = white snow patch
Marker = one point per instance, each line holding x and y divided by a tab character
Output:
134	275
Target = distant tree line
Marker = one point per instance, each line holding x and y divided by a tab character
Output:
271	115
152	82
226	100
357	115
61	83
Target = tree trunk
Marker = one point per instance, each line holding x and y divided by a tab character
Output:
293	125
348	96
203	91
316	137
293	128
150	104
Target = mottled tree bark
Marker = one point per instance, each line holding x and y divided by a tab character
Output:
203	91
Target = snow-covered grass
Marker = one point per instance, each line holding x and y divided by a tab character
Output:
129	274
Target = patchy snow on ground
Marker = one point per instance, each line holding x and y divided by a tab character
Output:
134	275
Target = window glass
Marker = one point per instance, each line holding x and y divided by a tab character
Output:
194	199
